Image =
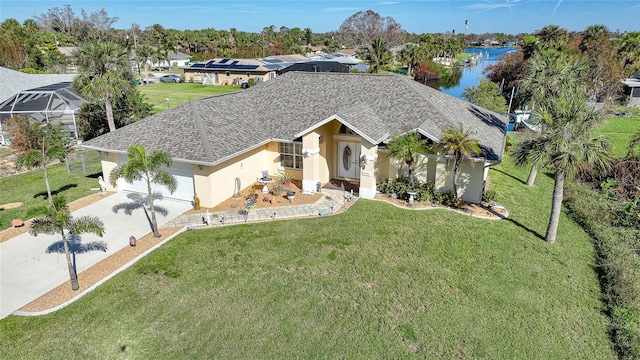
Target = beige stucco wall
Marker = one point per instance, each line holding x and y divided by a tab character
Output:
215	184
108	161
369	152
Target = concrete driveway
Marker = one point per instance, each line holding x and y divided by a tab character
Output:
30	266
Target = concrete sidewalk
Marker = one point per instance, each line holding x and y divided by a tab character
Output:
27	271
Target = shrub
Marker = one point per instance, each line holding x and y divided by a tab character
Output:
489	196
617	263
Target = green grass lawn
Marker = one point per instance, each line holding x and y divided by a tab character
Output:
620	130
156	94
29	188
374	282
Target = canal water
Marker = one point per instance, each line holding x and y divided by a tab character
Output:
466	76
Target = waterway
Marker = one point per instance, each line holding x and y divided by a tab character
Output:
467	76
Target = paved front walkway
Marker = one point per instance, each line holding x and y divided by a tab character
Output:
331	201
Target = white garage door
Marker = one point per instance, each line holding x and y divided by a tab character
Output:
181	171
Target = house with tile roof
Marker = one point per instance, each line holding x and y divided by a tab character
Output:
316	126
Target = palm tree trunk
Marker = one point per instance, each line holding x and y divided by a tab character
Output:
72	272
46	181
154	222
109	108
532	175
455	175
556	207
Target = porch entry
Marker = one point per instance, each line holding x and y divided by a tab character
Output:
348	160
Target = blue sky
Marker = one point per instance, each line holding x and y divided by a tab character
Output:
415	16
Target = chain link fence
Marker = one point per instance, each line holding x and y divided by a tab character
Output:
83	162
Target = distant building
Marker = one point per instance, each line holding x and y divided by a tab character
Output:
632	89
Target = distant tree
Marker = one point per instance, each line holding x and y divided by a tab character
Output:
553	37
407	148
144	53
361	28
629	51
508	72
457	142
104	74
56	218
130	107
605	66
37	146
486	95
143	166
377	54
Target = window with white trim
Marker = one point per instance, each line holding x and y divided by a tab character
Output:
291	155
227	74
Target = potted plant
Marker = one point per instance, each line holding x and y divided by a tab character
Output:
285	178
276	189
291	195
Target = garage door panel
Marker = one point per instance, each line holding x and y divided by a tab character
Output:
181	171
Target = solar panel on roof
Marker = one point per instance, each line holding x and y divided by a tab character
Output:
223	61
272	61
198	66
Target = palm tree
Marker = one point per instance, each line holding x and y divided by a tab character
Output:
144	53
48	146
458	143
407	147
377	54
56	219
565	147
104	72
551	74
142	166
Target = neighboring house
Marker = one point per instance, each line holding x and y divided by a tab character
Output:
43	97
235	71
176	59
350	60
316	126
632	89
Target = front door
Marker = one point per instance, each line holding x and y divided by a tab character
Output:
348	159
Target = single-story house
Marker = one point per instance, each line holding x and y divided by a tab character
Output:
316	126
632	89
235	71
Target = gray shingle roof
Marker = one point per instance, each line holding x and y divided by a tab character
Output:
213	129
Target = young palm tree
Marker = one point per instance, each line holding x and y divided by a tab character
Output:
458	143
50	146
407	147
142	166
56	219
564	147
104	72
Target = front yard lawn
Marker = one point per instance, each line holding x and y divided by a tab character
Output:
374	282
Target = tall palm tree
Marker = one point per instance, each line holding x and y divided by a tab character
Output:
104	72
147	167
457	142
56	219
565	147
48	146
406	148
551	74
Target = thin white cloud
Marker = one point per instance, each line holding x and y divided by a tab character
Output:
492	5
557	6
339	9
